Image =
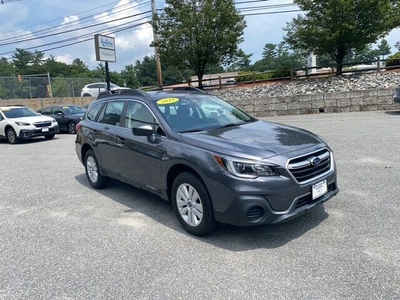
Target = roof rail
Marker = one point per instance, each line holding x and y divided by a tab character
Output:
189	88
125	92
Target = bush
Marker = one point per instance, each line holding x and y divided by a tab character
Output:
393	60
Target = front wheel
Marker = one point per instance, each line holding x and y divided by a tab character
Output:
11	136
93	174
192	205
49	136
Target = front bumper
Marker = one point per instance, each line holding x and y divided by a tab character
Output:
249	210
30	133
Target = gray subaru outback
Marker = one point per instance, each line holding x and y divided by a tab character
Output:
215	163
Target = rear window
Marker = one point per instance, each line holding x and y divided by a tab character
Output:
94	111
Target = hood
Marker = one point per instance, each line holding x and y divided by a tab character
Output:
32	119
259	139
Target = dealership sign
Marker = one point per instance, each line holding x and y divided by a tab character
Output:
105	48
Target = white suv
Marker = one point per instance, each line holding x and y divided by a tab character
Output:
19	122
93	89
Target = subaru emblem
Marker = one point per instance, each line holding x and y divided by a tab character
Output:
315	161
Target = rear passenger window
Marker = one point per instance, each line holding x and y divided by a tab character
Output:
111	113
46	111
91	115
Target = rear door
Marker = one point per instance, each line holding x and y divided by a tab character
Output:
140	157
104	132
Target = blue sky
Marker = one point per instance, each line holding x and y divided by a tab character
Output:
27	22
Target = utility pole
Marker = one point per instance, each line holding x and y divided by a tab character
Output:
157	57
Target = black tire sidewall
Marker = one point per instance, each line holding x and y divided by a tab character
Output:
49	136
15	134
207	224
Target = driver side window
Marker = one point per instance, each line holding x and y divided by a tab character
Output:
138	114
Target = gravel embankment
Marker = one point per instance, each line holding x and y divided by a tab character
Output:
314	86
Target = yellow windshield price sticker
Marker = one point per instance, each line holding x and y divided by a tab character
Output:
65	107
166	101
5	108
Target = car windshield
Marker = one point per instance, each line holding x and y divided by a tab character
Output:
19	112
200	112
74	110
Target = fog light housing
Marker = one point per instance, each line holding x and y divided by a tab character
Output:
255	214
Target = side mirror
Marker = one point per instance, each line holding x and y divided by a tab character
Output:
143	130
59	114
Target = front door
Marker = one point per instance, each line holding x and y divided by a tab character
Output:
140	157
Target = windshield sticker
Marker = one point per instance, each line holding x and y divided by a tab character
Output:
166	101
65	107
5	108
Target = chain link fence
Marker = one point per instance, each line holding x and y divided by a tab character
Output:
29	87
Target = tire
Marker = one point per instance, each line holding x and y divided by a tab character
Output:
86	95
11	136
192	205
49	136
71	127
92	170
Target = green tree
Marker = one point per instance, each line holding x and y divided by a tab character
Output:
242	62
22	59
336	27
128	75
6	68
197	33
397	46
384	48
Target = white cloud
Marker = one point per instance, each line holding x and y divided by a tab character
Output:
65	58
71	19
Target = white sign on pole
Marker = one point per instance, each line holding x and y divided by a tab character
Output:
105	48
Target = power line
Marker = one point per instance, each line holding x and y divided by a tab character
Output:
8	1
72	30
62	18
20	38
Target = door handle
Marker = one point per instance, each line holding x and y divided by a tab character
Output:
121	140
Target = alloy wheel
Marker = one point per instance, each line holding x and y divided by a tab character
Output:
189	204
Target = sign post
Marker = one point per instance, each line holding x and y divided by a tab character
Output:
105	51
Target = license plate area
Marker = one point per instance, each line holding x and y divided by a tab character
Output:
45	129
319	189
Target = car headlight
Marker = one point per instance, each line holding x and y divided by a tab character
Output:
22	123
246	169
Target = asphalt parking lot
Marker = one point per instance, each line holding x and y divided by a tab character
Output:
60	239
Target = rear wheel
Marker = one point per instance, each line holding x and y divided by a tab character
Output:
93	174
71	127
11	136
192	204
49	136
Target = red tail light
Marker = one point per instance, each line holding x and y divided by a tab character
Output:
78	126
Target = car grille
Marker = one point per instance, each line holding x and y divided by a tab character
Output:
42	124
310	166
308	198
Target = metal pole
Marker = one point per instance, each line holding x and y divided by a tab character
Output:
108	77
51	91
157	57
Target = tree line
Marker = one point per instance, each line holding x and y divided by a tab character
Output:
198	37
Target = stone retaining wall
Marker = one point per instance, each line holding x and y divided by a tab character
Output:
261	106
38	103
366	100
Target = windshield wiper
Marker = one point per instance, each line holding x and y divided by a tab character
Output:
192	130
